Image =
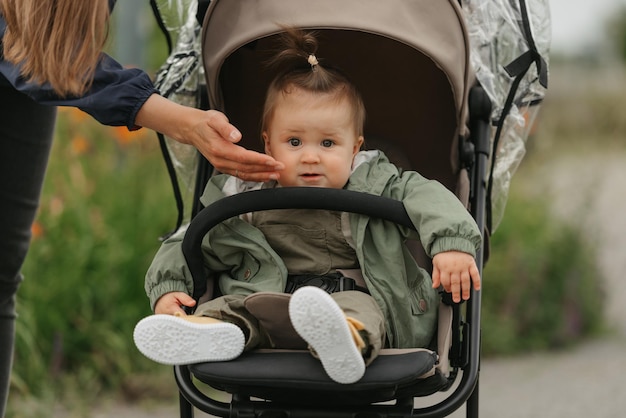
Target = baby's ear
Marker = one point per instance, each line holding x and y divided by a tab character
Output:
358	144
266	141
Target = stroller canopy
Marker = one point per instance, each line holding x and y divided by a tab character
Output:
504	43
414	77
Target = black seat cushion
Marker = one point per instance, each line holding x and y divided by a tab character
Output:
296	376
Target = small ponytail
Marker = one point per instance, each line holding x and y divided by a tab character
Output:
296	46
298	66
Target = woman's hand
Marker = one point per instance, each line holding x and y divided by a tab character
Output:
211	133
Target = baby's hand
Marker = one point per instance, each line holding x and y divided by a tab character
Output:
456	271
170	303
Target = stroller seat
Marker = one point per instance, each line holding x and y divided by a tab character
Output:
293	375
297	377
292	380
288	373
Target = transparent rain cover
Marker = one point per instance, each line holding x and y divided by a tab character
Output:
497	38
181	79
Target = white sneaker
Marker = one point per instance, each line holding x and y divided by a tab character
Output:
322	324
171	340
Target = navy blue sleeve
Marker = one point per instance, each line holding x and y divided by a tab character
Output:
114	98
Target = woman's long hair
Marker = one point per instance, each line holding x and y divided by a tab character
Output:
56	41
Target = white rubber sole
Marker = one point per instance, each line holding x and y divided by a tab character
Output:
170	340
322	324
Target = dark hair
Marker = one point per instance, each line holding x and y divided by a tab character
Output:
298	67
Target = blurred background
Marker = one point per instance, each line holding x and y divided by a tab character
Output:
552	287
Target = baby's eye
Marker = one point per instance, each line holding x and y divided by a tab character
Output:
294	142
327	143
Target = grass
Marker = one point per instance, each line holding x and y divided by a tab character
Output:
541	283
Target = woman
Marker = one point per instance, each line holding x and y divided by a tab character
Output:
50	55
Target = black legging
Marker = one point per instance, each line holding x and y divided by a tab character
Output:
26	132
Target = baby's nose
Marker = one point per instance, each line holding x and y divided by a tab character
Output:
310	156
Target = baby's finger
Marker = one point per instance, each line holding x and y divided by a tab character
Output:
466	285
435	278
186	300
455	287
446	281
475	275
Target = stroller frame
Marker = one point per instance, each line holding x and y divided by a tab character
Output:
465	352
471	148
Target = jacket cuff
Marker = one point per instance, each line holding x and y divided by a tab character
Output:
443	244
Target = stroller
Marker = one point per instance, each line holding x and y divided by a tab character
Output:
439	101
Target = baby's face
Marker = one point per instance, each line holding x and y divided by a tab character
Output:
314	136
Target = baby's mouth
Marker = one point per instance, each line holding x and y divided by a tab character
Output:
311	177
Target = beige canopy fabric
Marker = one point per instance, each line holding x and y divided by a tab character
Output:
409	59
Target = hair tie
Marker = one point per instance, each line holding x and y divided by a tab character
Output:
313	61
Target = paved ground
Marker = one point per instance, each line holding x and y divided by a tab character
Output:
586	381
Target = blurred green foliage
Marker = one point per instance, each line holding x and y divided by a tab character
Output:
105	202
616	29
542	286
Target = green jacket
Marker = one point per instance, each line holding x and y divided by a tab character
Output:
242	261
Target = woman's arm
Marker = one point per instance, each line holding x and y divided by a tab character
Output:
126	96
